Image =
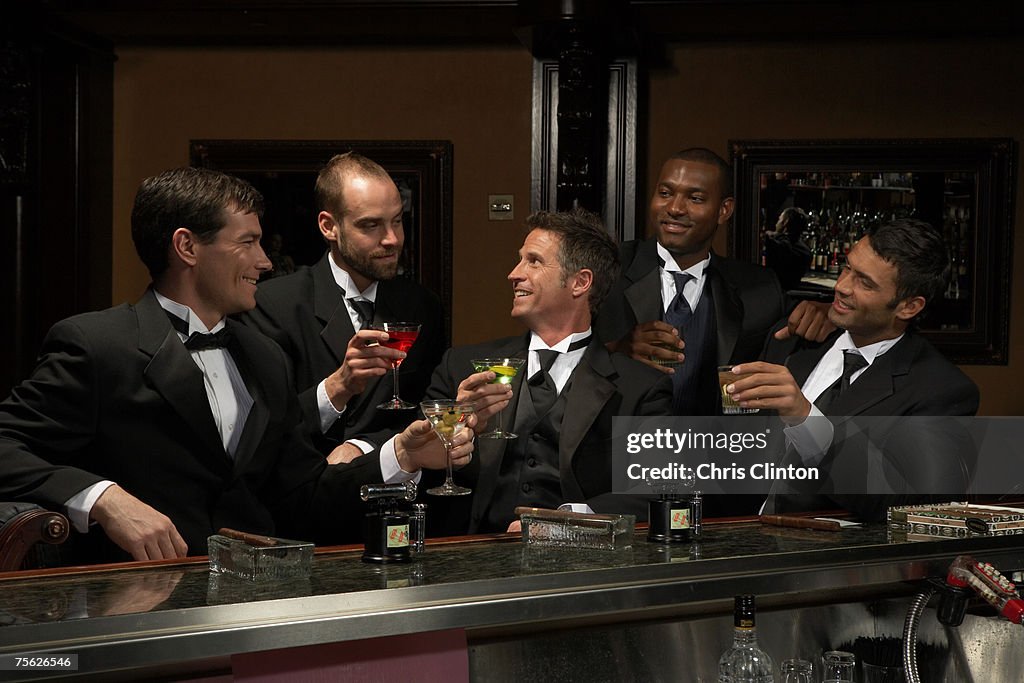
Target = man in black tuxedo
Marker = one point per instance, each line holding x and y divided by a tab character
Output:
876	366
318	314
163	421
685	310
562	403
725	309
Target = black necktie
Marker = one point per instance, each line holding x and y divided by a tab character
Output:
364	309
543	391
852	362
197	341
678	313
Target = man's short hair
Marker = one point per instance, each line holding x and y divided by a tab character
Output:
797	221
706	156
584	244
194	198
919	253
330	182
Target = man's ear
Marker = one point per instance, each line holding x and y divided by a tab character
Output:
328	226
183	245
725	210
910	307
582	281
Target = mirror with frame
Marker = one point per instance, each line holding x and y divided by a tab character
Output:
802	204
285	171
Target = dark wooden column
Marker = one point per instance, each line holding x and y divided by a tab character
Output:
56	142
584	107
582	125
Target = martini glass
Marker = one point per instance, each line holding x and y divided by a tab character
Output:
448	418
505	370
400	336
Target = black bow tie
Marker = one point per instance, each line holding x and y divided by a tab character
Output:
197	341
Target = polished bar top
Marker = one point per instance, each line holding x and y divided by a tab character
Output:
139	613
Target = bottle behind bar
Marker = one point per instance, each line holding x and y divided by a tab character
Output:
745	662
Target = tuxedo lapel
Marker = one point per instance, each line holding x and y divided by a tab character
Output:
728	312
173	373
246	357
878	382
493	451
329	307
644	294
586	397
801	364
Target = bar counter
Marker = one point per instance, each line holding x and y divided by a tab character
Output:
159	617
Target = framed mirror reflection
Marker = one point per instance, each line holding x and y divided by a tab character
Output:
285	171
801	204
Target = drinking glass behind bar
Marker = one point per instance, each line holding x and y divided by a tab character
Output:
401	336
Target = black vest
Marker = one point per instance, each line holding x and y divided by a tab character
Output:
699	395
529	472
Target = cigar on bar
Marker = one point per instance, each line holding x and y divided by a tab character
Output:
251	539
564	515
801	522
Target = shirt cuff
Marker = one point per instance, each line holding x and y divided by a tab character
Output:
389	468
328	413
364	446
812	437
79	506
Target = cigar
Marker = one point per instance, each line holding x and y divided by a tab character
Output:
801	522
251	539
564	515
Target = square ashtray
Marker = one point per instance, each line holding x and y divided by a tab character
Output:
270	559
576	530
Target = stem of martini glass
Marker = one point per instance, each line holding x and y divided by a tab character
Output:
449	481
394	370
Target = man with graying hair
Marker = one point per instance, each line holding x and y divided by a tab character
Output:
164	420
562	403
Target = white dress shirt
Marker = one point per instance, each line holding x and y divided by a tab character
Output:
692	290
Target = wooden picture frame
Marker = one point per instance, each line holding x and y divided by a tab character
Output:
285	172
964	186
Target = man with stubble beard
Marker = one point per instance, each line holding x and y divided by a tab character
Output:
320	314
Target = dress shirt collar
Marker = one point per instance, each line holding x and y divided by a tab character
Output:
669	265
870	351
346	282
187	314
536	343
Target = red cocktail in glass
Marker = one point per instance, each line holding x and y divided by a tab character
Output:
401	336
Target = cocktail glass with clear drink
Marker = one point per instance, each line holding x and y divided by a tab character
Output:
448	418
505	370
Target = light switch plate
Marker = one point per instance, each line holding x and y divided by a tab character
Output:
500	207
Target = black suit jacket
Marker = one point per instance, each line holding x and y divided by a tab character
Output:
748	302
910	379
305	313
115	395
603	385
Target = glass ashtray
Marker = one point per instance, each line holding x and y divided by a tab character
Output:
574	530
284	559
